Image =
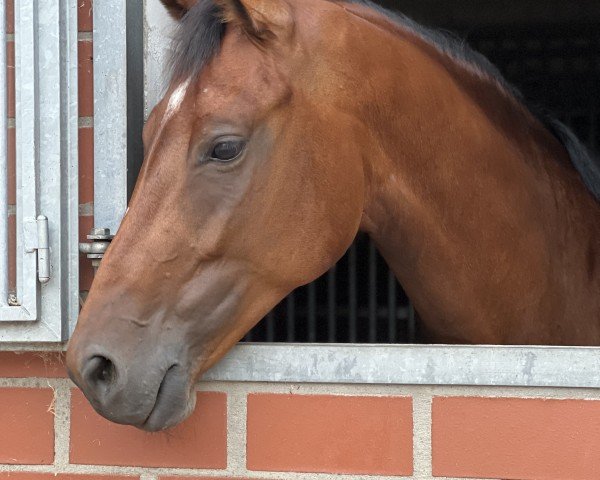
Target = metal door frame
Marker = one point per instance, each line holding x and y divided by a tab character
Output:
118	107
47	171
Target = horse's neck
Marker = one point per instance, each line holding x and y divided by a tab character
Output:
477	209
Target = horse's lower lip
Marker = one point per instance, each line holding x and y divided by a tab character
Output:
159	417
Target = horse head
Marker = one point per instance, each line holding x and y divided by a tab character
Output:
241	199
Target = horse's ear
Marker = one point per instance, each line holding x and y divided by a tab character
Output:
178	8
261	19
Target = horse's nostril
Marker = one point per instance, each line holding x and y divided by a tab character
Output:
106	371
100	372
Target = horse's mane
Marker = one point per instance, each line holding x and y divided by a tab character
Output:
587	164
201	31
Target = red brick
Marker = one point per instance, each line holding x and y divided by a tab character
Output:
513	438
86	165
63	476
330	434
10	16
86	271
10	77
84	16
200	442
32	364
27	426
86	79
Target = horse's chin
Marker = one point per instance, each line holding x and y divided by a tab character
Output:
168	412
173	404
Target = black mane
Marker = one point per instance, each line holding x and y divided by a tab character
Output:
197	39
201	30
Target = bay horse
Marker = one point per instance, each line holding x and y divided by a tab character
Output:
289	126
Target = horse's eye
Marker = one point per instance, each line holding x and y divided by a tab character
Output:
228	150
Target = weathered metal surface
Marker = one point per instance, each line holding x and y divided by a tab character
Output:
494	366
70	184
158	31
110	113
412	365
25	302
43	250
47	172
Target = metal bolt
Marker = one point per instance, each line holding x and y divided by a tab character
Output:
13	301
94	250
100	231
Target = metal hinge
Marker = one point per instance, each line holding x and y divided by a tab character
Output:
95	249
35	239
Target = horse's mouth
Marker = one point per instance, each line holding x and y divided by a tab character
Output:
172	403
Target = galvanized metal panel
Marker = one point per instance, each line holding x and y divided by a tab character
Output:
70	166
50	156
47	130
26	172
110	113
58	192
492	366
412	365
158	31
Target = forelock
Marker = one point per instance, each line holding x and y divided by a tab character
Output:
197	39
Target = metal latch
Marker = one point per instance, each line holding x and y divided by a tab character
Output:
35	238
95	249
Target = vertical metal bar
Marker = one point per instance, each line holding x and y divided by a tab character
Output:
270	326
135	91
27	135
52	160
412	328
331	313
372	292
392	309
352	300
312	312
110	113
3	161
290	318
70	107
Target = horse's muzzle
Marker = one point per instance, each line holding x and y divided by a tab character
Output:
154	399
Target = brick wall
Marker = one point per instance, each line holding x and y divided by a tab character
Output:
300	431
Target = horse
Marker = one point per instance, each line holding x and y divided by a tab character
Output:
289	126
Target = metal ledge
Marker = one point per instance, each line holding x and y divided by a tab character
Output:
568	367
574	367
